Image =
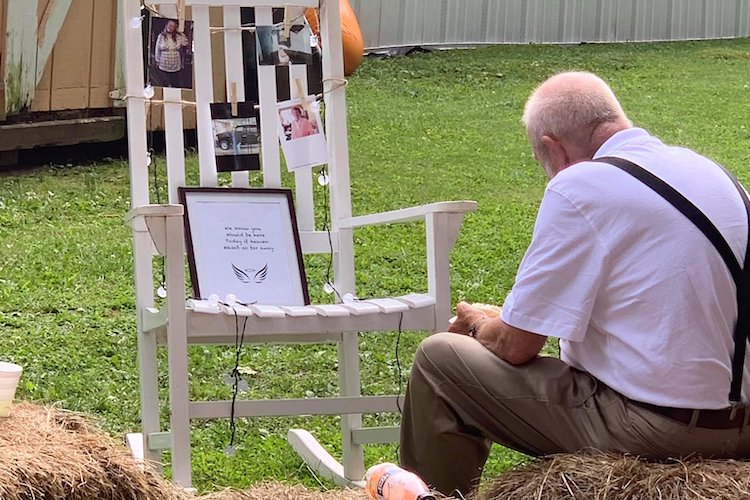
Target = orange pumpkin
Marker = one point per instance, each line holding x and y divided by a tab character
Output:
351	35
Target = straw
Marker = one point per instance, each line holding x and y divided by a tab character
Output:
610	476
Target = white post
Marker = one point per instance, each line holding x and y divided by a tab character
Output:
303	181
234	75
336	135
139	188
179	396
338	156
173	127
137	146
349	385
148	366
335	101
204	95
442	231
271	156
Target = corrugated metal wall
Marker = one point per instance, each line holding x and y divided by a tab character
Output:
394	23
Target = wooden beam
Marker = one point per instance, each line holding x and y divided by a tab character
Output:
61	132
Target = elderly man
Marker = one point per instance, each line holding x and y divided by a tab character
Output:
641	301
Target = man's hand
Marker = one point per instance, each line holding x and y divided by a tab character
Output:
512	344
466	317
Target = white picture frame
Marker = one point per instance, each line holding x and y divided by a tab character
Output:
244	242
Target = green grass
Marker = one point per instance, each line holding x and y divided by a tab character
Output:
424	128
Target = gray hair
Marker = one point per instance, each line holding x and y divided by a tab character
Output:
571	106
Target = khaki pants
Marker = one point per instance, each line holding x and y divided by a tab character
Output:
461	398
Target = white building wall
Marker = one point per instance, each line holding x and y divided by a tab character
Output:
397	23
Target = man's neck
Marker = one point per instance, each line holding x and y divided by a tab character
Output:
603	133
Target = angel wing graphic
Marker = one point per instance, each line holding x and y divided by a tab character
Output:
261	275
251	275
243	276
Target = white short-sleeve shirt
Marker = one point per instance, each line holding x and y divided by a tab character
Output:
637	294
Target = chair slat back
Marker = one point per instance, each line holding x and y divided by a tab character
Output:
233	57
210	39
204	94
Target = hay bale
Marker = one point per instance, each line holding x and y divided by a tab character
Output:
48	452
615	476
280	491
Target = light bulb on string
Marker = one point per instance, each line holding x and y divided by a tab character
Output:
149	160
323	178
148	91
161	292
328	288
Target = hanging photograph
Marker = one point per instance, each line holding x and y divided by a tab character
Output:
170	53
276	49
244	242
301	134
236	137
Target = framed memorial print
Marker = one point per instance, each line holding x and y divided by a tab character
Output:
244	242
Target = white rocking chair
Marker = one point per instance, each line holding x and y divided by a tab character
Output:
158	231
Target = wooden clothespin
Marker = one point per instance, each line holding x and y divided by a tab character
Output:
181	16
233	98
302	96
287	21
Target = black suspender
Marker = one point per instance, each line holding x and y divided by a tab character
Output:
741	275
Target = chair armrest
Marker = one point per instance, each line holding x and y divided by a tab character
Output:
143	211
152	219
442	223
408	214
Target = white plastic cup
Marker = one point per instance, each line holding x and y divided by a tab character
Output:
10	374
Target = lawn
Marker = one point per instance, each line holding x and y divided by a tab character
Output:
423	128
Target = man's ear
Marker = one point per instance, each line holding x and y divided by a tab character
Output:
556	154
